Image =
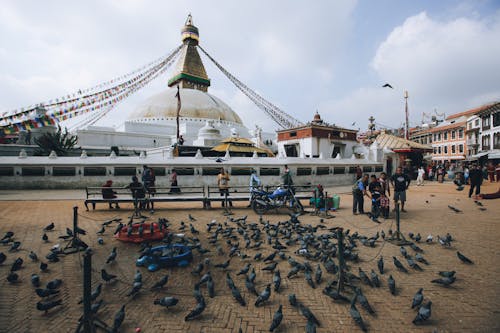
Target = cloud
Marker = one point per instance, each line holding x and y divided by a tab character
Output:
448	65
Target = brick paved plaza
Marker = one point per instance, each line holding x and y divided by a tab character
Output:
471	304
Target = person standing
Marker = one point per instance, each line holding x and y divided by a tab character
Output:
255	183
174	188
286	178
384	205
138	192
223	183
359	172
148	179
384	184
400	182
491	172
358	193
476	179
420	176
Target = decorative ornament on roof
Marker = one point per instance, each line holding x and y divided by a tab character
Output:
198	155
227	156
113	154
23	154
83	154
52	154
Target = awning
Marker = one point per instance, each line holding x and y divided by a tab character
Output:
494	156
479	155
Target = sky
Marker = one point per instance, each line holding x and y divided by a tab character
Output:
330	57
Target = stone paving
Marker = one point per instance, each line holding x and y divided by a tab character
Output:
471	304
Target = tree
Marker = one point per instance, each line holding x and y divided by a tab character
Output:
59	141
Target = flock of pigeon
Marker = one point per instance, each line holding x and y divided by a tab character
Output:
301	250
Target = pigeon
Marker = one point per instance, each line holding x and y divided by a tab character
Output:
161	283
293	271
403	251
464	258
421	259
32	255
387	85
418	237
380	264
101	231
392	284
413	264
94	294
54	284
224	265
356	316
333	294
237	296
166	301
119	318
364	301
424	313
306	312
207	276
374	278
445	281
229	281
191	218
135	288
364	277
250	286
197	270
12	277
271	267
244	270
138	276
448	274
277	318
35	280
429	239
2	257
292	299
277	280
399	265
106	276
43	266
310	327
252	275
15	246
317	274
211	288
45	238
119	227
16	265
271	256
197	292
46	306
46	292
417	299
49	227
199	308
264	296
112	256
456	210
309	280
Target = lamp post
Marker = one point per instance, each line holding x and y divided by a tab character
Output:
407	129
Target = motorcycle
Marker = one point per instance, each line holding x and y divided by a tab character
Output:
263	201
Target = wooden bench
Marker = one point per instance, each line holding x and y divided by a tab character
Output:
162	194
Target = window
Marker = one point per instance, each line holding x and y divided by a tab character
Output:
6	171
210	171
461	133
476	123
33	171
304	171
241	171
269	171
94	171
486	142
445	136
435	150
446	149
461	149
336	151
367	169
291	151
125	171
486	122
496	141
496	119
453	149
322	171
379	168
339	170
469	125
453	135
435	137
63	171
185	171
352	170
293	134
439	136
439	150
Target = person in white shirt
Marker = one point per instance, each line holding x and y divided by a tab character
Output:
255	183
420	177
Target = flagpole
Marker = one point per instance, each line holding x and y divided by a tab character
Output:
178	111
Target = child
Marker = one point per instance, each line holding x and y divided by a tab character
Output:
376	195
384	205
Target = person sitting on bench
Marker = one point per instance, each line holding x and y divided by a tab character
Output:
108	193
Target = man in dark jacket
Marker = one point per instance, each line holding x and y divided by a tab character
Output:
400	182
476	179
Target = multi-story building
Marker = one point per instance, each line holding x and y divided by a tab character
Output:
448	138
489	142
473	136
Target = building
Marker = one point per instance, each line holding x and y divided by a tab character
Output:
489	142
317	139
472	132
